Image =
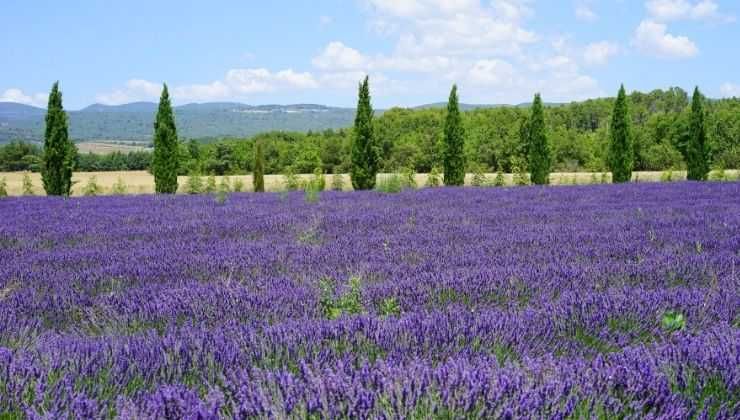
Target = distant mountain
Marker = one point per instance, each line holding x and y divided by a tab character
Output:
10	111
134	121
133	107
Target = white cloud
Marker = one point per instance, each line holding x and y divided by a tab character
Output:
237	83
730	90
485	46
492	73
652	38
17	96
585	13
336	55
668	10
599	53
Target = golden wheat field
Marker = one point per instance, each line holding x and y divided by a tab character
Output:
142	182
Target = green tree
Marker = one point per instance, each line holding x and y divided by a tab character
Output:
538	151
364	152
621	154
59	151
165	161
697	156
258	178
454	143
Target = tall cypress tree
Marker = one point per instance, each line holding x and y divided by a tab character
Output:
59	151
165	159
538	151
621	154
258	177
454	141
364	152
697	156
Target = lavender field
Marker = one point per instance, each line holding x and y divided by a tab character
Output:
554	302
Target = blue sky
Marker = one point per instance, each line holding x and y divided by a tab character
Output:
315	51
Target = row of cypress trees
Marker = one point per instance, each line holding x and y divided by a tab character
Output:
533	134
60	152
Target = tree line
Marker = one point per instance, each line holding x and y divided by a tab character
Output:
652	131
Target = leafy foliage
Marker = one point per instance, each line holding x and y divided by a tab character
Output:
538	149
364	153
91	188
258	177
59	151
673	321
620	144
166	147
697	154
454	141
348	303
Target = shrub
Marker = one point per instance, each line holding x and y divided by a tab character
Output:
718	175
604	177
238	185
194	184
666	176
27	184
91	188
519	168
337	182
210	184
434	179
408	177
3	187
349	303
390	183
389	307
318	179
225	184
479	178
499	181
290	180
673	321
120	187
311	192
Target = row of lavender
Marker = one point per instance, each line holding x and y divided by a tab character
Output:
531	302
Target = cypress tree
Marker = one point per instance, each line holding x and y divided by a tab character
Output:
59	151
620	144
258	178
538	151
454	141
697	156
364	153
165	158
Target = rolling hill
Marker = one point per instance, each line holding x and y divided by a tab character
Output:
134	121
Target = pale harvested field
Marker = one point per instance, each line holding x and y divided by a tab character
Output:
102	148
141	182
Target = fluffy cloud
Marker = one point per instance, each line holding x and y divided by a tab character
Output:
237	83
730	90
667	10
599	53
652	38
17	96
484	46
585	13
337	56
